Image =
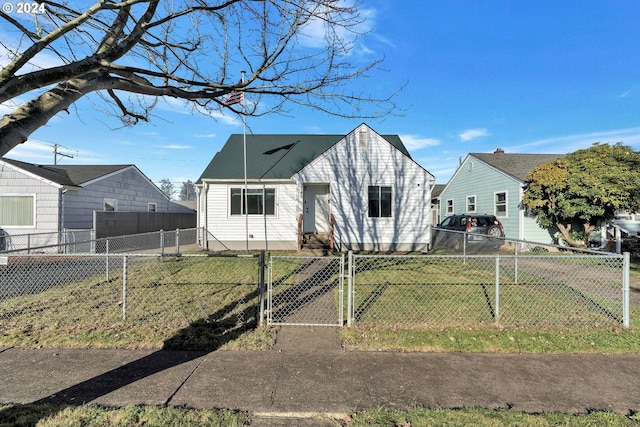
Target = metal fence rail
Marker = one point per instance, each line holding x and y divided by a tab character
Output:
475	289
58	242
82	242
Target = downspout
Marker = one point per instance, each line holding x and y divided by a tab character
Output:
431	186
264	216
205	196
198	215
61	193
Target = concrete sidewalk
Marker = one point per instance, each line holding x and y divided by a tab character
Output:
308	373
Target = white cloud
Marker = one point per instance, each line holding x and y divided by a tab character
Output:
182	106
628	92
176	147
570	143
42	152
315	33
205	135
32	151
471	134
414	142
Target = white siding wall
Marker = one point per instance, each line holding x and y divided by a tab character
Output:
132	191
228	231
13	182
350	167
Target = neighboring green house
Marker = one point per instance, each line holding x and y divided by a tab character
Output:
493	183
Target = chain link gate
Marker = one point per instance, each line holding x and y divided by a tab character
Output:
305	291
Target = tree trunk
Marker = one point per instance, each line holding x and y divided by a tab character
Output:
15	128
565	230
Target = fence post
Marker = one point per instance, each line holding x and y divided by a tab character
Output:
269	311
464	247
106	246
177	241
497	308
350	309
515	264
161	242
626	262
28	244
124	287
341	293
261	289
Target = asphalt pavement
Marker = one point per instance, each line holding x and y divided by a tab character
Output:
308	373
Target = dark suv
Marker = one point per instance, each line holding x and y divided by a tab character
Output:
483	230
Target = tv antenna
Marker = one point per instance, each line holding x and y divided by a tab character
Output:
57	153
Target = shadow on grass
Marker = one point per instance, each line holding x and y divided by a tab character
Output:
193	342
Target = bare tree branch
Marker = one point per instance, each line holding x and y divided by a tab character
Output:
186	49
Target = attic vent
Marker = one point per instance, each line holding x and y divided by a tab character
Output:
362	138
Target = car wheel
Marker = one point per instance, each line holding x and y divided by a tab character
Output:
494	232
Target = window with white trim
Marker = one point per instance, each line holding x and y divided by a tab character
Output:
152	207
500	204
259	201
471	204
379	201
450	207
17	211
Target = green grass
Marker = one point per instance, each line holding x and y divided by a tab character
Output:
186	303
150	416
492	339
484	417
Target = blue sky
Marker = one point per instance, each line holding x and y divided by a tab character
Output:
524	76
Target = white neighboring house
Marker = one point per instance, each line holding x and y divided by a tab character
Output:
52	198
362	190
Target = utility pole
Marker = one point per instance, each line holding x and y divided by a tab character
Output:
56	153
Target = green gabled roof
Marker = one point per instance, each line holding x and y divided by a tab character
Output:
274	156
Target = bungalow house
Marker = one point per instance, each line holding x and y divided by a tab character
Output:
53	198
494	183
362	190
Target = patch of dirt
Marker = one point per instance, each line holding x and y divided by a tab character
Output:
634	290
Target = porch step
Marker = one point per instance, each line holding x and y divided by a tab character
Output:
316	243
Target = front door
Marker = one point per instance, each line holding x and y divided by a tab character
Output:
316	208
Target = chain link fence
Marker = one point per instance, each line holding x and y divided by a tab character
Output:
131	296
68	241
305	291
127	300
82	242
454	290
